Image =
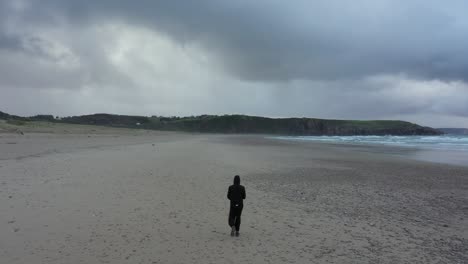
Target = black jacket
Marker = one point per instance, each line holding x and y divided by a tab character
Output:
236	192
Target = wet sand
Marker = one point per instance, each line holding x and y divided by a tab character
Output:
161	198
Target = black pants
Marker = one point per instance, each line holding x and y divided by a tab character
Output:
235	215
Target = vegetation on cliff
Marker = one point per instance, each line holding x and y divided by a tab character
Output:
242	124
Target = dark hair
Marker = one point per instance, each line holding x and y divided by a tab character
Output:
236	180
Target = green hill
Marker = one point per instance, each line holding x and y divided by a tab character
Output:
242	124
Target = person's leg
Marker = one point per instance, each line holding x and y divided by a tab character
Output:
238	222
232	217
238	218
232	220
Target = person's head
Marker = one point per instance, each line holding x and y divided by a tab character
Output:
236	180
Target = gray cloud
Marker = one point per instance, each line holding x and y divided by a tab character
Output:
365	59
282	40
9	42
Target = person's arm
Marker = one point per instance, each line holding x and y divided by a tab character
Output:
243	193
229	193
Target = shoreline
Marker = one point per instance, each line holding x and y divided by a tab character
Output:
55	142
441	156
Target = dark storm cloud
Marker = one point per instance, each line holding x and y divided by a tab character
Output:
282	40
9	42
333	59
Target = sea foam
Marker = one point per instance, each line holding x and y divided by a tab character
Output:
446	142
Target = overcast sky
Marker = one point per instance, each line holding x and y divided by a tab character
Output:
361	59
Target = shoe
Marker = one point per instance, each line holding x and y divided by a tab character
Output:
237	233
233	230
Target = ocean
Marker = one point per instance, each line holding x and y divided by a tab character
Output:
451	149
444	142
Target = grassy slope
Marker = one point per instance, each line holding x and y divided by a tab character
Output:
252	124
240	124
16	126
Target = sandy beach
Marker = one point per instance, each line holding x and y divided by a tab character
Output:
130	196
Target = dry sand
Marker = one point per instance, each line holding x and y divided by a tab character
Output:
155	197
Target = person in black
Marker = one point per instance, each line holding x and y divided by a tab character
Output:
236	194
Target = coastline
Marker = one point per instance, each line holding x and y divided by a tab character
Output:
454	157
